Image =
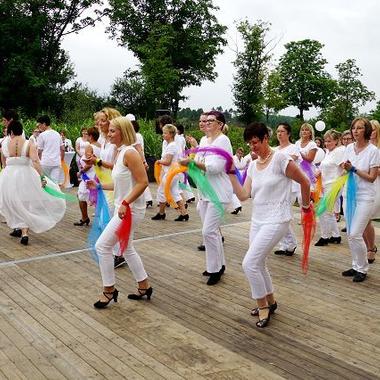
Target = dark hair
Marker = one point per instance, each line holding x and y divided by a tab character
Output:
44	119
161	121
180	129
218	116
94	132
320	139
136	125
367	126
255	129
286	126
15	127
10	115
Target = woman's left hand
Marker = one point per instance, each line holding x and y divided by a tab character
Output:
121	211
91	184
347	165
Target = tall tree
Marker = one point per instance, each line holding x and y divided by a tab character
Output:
304	81
251	66
350	94
375	114
274	100
176	42
33	66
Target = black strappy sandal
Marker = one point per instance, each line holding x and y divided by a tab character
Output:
263	322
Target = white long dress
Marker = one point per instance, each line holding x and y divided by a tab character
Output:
23	202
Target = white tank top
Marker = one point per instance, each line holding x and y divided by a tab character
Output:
124	182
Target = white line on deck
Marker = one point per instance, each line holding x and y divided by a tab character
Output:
66	253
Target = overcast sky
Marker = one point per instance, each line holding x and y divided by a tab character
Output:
347	28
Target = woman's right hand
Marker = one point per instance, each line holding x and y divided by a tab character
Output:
91	184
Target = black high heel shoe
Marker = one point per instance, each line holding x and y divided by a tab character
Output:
142	293
159	216
182	218
82	222
24	240
236	211
149	204
372	251
272	309
264	321
102	304
205	273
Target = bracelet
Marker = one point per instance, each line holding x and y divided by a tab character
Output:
125	203
99	162
231	172
353	169
99	186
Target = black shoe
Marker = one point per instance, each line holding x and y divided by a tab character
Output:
263	322
222	239
149	204
280	252
322	242
335	240
190	200
182	218
372	252
24	240
142	293
344	229
214	278
201	247
236	211
349	272
159	216
118	261
290	253
205	273
82	222
102	304
359	277
16	233
272	309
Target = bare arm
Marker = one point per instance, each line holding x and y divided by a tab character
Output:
167	160
34	156
242	192
369	176
310	155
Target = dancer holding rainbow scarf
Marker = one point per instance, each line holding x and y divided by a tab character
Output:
361	160
269	184
129	182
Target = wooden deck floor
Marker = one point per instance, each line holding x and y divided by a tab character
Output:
326	326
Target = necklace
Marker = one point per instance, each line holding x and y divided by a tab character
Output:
263	161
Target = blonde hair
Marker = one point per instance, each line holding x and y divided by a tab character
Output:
170	128
376	125
111	113
333	134
225	129
309	127
128	134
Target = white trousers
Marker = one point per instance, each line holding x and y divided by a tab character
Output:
187	194
327	221
148	195
105	245
174	189
53	172
235	201
262	239
356	242
289	241
212	237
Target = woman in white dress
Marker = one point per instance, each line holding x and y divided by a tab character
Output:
269	184
23	202
288	243
361	158
129	182
330	170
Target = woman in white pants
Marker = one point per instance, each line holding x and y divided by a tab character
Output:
269	184
362	158
330	170
214	168
288	243
129	182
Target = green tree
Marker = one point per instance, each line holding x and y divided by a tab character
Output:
33	66
176	42
251	66
304	81
274	100
375	114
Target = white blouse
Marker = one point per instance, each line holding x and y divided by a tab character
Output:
271	191
330	165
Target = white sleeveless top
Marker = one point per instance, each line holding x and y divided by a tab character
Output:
124	182
271	191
